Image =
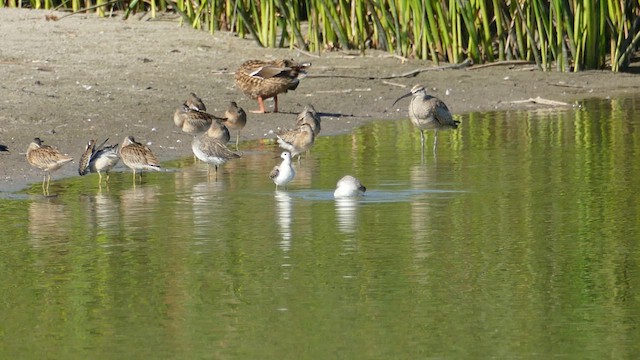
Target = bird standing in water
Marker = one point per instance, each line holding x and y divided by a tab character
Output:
98	159
428	113
47	159
138	157
283	174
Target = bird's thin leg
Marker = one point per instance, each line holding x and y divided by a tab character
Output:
237	140
435	140
99	178
275	104
134	177
44	178
48	182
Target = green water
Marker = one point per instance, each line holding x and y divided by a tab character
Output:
517	240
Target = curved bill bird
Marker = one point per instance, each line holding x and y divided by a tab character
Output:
428	113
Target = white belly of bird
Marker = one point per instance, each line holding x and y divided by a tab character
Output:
202	156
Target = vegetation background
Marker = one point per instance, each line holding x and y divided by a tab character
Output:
570	35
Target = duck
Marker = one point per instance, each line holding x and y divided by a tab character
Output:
261	80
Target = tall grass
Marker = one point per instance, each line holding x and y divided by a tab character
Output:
571	35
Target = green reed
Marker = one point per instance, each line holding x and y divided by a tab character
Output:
571	35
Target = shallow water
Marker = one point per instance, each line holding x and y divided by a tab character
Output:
518	239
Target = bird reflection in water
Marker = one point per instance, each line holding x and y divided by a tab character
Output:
284	209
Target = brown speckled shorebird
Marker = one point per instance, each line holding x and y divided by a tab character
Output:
428	113
98	159
212	150
138	157
193	102
192	121
298	140
46	158
266	79
235	119
310	116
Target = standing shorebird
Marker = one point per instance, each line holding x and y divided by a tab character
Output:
349	186
266	79
98	159
310	116
428	113
193	102
235	119
297	140
47	159
212	150
192	121
283	174
138	157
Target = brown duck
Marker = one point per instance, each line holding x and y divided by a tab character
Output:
266	79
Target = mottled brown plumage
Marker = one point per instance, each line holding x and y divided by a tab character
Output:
138	157
193	102
310	116
211	149
193	121
235	119
47	159
297	140
266	79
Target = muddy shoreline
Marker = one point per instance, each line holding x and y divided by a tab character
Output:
84	77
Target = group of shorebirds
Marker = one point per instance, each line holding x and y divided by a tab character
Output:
260	80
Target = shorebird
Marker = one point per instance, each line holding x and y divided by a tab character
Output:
193	121
4	148
138	157
47	159
98	159
235	119
212	150
428	113
283	174
266	79
297	140
349	186
310	116
193	102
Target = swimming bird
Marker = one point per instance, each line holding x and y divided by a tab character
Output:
297	140
195	103
283	174
310	116
266	79
235	119
98	159
349	186
138	157
428	113
193	121
212	150
46	158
